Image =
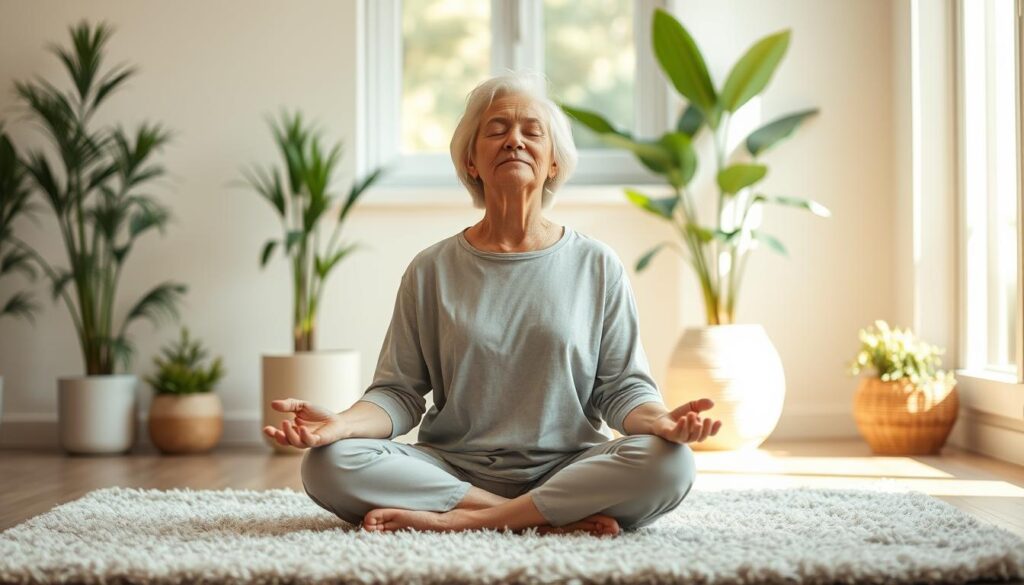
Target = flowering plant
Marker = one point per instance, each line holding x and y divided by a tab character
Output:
896	354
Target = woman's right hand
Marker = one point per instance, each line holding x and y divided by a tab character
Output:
313	425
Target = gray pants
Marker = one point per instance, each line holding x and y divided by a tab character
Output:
634	479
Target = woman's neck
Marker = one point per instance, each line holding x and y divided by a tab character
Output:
513	223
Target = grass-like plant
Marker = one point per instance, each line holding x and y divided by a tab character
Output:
303	199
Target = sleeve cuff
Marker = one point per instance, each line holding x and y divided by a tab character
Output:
619	417
391	406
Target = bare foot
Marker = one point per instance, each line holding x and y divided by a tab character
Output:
390	519
597	525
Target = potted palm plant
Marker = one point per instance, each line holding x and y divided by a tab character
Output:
303	198
14	202
908	406
186	416
736	365
96	194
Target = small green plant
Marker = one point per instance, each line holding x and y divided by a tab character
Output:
896	354
180	371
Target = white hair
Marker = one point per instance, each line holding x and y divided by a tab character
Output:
522	83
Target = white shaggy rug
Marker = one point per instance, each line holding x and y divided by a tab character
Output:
801	535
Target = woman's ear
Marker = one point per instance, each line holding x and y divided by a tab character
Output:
472	170
553	170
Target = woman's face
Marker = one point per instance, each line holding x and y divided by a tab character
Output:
513	148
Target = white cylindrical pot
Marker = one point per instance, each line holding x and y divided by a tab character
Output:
96	414
738	368
328	378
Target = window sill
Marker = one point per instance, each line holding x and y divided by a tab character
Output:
991	393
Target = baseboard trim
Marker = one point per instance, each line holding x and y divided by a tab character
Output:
990	435
39	431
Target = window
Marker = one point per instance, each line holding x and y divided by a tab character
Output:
424	56
989	111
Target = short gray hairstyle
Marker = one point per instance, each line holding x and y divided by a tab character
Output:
517	83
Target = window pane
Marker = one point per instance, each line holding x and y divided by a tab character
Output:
990	158
446	52
590	59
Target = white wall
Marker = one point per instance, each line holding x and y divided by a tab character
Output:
210	71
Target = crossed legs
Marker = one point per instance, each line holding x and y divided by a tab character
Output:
370	482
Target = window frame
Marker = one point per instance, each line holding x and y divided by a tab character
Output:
379	126
995	392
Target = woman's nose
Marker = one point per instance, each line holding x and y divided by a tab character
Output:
514	141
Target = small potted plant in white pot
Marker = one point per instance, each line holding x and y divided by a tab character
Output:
907	406
304	201
186	415
96	182
734	364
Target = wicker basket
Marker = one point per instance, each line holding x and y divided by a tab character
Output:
897	418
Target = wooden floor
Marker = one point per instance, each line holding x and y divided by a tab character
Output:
32	482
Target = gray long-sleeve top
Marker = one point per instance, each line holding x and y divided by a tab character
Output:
525	353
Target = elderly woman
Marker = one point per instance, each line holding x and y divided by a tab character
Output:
527	332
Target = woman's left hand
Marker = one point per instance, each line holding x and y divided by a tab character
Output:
684	425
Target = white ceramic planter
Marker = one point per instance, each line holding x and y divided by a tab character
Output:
738	368
96	414
329	378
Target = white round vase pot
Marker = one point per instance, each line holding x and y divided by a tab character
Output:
96	414
328	378
738	368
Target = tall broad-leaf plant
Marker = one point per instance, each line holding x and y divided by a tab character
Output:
717	251
303	198
94	179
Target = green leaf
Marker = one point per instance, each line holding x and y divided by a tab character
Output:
591	120
651	154
291	239
770	241
812	206
121	252
20	304
737	176
649	255
753	71
357	191
110	82
58	283
268	249
159	302
690	121
682	62
703	234
768	135
663	207
323	267
148	216
684	158
17	259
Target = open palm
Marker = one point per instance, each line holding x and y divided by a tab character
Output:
312	426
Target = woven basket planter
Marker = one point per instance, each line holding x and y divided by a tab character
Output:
897	418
